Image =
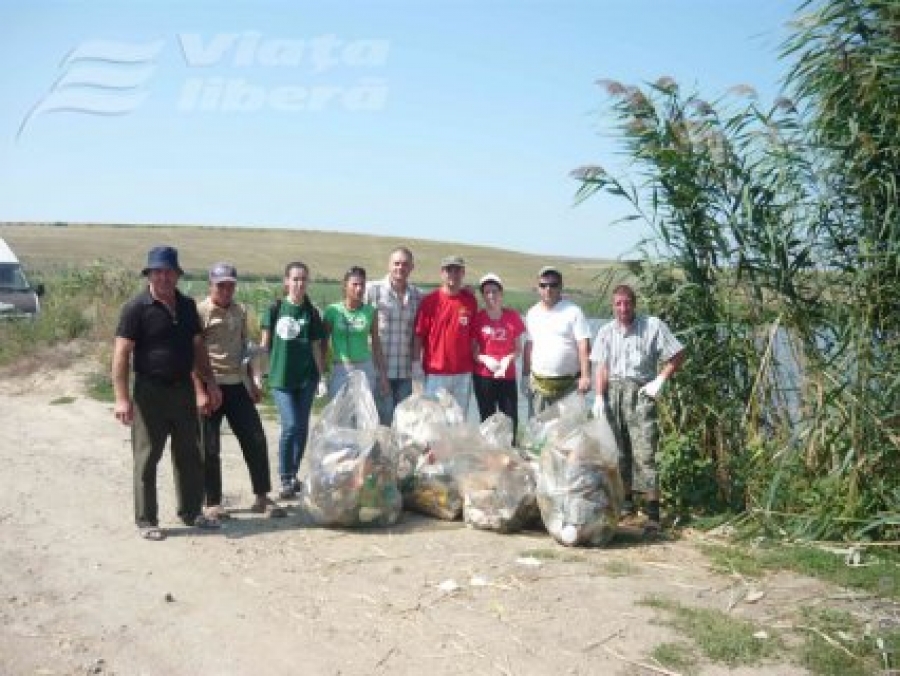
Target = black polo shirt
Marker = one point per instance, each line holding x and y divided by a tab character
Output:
163	344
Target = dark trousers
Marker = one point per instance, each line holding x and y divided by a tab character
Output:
163	411
497	394
243	418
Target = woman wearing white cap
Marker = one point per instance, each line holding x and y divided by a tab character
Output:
497	342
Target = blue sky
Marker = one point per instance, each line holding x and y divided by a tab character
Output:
444	120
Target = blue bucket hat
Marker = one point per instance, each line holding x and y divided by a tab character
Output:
162	258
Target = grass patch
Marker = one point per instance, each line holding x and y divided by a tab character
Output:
62	400
545	554
720	637
880	575
707	522
830	642
679	657
733	559
837	643
99	387
618	568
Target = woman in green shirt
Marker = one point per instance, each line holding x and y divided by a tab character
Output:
292	331
351	331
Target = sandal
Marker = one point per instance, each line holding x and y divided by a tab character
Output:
217	512
152	533
206	523
270	508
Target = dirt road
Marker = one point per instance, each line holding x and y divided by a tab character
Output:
82	594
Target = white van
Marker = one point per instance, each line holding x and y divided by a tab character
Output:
18	299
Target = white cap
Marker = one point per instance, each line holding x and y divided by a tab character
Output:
490	277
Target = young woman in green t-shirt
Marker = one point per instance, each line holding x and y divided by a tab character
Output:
292	332
351	330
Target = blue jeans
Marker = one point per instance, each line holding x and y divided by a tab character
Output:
401	388
294	409
340	374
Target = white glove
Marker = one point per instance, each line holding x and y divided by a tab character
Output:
500	371
525	386
490	363
322	389
599	407
652	388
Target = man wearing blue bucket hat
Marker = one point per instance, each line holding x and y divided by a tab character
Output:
160	335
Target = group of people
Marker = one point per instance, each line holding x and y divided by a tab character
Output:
190	364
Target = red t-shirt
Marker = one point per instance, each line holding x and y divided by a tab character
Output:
497	339
444	324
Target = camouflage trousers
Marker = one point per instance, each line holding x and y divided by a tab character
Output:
635	423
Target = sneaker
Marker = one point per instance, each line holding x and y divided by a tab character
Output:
297	486
287	493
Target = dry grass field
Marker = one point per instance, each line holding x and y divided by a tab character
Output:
263	252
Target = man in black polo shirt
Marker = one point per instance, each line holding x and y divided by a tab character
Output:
159	330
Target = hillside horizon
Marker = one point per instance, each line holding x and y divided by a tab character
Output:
263	252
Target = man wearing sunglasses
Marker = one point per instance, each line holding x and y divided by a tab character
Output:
555	359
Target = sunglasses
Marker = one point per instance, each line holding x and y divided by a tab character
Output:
549	285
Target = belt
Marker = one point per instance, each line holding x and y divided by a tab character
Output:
560	378
553	386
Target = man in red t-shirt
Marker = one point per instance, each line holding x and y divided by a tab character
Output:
444	334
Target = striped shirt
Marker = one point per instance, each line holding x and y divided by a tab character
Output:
396	320
634	353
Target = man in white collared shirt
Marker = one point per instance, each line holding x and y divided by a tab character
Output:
626	355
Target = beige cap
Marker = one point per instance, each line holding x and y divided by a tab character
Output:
453	261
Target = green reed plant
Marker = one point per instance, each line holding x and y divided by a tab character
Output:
705	185
846	59
776	253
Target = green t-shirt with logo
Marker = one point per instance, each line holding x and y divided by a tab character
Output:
291	363
350	331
